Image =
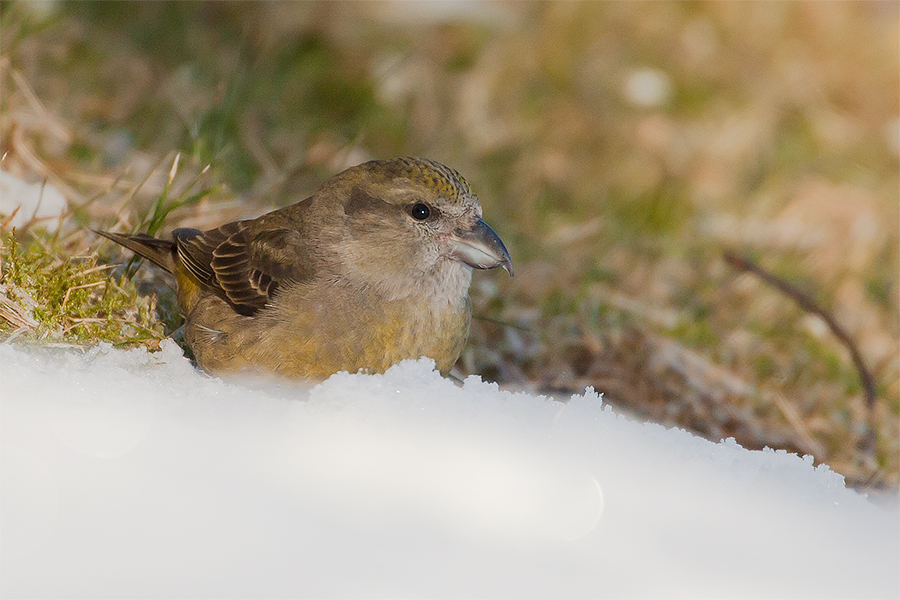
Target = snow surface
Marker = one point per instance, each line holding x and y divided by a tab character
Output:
128	474
39	201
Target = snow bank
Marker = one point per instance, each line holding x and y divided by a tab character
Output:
131	474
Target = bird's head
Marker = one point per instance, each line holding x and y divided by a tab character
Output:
410	219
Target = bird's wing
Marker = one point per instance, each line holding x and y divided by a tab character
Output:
244	266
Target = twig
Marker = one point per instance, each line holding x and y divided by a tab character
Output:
97	268
79	287
808	304
15	315
51	124
9	219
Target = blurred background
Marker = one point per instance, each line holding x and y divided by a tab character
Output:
618	148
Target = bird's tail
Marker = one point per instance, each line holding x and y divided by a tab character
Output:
159	252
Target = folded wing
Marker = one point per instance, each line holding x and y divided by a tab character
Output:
245	267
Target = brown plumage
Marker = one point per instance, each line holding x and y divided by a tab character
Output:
371	269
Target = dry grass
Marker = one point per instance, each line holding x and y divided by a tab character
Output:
619	149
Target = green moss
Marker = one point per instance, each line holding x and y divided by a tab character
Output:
73	299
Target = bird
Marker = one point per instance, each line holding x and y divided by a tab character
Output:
372	269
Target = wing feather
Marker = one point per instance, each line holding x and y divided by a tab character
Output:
245	268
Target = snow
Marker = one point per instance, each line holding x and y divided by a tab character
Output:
128	473
24	201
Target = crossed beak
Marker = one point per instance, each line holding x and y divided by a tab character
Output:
480	248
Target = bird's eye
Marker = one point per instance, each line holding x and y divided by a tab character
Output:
420	211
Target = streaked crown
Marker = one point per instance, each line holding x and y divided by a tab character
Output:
440	179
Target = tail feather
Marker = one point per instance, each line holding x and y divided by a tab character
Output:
159	252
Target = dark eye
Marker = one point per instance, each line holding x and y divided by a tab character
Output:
420	211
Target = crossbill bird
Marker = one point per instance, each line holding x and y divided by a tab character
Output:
372	269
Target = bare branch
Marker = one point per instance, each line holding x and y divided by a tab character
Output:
808	304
